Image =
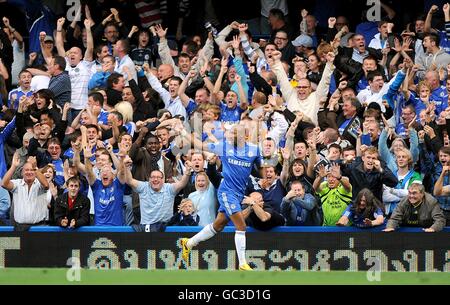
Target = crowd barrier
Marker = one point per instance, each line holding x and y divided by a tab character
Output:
194	229
284	248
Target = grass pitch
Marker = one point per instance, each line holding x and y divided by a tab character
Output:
31	276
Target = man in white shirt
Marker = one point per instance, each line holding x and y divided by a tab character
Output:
380	39
79	68
121	49
29	193
171	99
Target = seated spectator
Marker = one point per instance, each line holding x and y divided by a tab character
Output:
72	208
186	215
419	209
365	212
300	208
260	215
269	186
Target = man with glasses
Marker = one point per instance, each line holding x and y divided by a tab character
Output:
302	98
156	198
287	50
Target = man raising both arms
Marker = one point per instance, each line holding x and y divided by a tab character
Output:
237	158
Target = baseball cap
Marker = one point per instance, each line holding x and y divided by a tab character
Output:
303	40
48	38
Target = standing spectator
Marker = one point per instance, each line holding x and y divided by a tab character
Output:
4	135
24	89
302	98
72	207
204	199
108	193
156	197
443	190
17	44
78	67
170	97
369	172
380	39
142	53
60	84
278	22
434	55
287	49
121	50
29	194
406	176
308	26
419	209
270	187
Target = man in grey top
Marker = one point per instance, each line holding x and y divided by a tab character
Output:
156	197
418	209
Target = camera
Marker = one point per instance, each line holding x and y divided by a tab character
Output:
210	28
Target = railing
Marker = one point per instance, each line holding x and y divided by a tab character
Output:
230	229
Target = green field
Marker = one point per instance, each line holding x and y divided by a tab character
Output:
182	277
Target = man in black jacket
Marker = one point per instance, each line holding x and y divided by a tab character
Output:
369	172
72	207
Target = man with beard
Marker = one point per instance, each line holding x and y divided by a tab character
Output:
145	160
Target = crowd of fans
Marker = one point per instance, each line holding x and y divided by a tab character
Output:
108	123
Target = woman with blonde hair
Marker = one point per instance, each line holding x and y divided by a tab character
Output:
126	109
204	199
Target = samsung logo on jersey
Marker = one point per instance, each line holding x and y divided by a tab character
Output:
239	163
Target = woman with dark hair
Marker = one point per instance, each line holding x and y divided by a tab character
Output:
42	100
49	172
297	172
315	69
365	212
